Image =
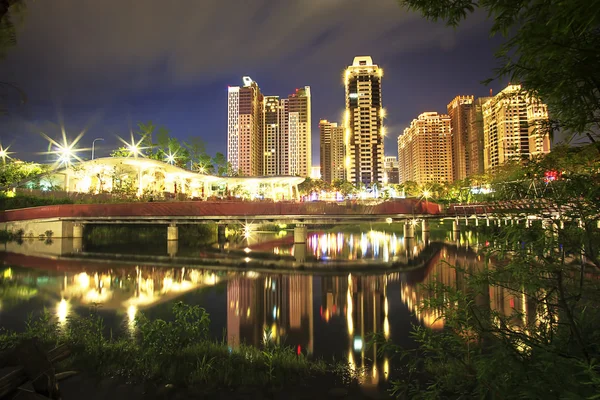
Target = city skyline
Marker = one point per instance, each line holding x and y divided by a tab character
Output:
186	93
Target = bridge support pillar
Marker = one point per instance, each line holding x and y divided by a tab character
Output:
300	233
172	232
77	245
487	222
476	221
409	230
455	226
466	221
77	230
300	252
425	225
172	247
409	244
455	230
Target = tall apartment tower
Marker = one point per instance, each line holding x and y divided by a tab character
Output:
513	127
273	140
299	132
475	136
331	145
245	128
391	169
363	122
459	111
425	150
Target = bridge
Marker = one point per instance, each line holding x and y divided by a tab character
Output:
67	220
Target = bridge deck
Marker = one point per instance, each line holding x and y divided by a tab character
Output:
211	211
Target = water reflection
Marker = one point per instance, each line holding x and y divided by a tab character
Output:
328	314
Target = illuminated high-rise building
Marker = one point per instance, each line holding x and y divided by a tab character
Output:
514	127
363	122
475	136
459	111
391	169
331	151
273	137
299	132
425	150
245	128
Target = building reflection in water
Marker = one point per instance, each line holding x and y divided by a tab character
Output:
273	307
448	268
280	306
372	245
128	290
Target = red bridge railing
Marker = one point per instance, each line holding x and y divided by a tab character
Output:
219	208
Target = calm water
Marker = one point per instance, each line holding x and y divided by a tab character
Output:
327	314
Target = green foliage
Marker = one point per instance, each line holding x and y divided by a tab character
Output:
489	349
551	48
24	201
121	152
14	172
177	352
313	185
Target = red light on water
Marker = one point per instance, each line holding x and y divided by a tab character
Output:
512	302
299	351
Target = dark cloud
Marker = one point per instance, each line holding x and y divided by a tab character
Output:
125	45
132	60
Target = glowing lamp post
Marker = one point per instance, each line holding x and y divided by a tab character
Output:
93	144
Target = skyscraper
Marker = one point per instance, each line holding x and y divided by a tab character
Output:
272	131
245	128
513	127
475	136
331	151
425	150
299	132
391	169
363	122
459	111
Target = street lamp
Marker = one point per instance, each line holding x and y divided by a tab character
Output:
93	144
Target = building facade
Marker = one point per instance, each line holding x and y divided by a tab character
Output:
363	122
245	128
391	170
331	145
299	132
266	135
272	151
425	150
513	128
475	136
459	112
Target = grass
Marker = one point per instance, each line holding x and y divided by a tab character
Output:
177	352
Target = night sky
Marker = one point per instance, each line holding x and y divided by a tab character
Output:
106	65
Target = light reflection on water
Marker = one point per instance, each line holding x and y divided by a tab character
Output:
328	315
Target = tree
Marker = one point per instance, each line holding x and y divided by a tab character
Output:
220	163
522	348
14	172
11	15
196	148
551	48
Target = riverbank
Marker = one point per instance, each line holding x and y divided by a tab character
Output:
175	359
